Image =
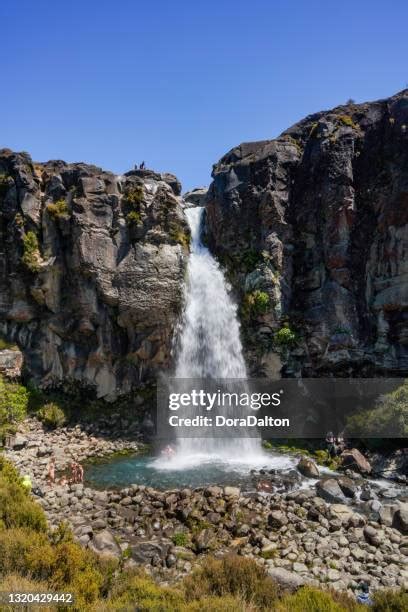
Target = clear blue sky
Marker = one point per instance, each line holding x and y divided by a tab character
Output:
178	83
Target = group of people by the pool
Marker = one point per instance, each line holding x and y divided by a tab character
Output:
76	475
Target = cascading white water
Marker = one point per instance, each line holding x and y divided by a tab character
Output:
210	347
210	344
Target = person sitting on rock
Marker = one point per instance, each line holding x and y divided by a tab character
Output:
340	444
80	473
51	471
364	596
331	444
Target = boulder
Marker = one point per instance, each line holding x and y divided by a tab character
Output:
308	468
329	490
355	460
348	486
400	520
144	552
195	197
386	514
19	442
288	580
341	511
232	491
277	519
205	540
11	362
105	544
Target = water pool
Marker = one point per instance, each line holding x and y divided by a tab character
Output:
189	471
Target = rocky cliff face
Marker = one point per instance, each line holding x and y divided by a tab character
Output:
312	228
91	271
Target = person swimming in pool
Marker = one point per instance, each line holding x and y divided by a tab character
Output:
168	451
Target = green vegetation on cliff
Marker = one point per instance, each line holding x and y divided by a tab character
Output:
133	218
58	209
4	184
178	235
31	255
285	336
5	344
133	196
254	304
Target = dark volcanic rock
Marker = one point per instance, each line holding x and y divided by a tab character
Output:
308	468
330	490
354	459
91	271
317	220
196	197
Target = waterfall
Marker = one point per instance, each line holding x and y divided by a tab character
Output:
209	343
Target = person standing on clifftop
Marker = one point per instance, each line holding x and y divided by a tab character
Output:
142	166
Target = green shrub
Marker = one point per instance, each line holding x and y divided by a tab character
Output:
323	457
389	416
133	218
52	415
133	196
17	509
250	259
16	583
313	130
255	304
139	591
31	255
232	575
65	566
347	120
19	220
285	336
4	344
180	539
13	403
312	600
25	551
178	235
4	184
58	209
390	600
227	603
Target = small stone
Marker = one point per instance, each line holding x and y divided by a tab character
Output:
333	575
171	560
232	491
300	567
277	519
